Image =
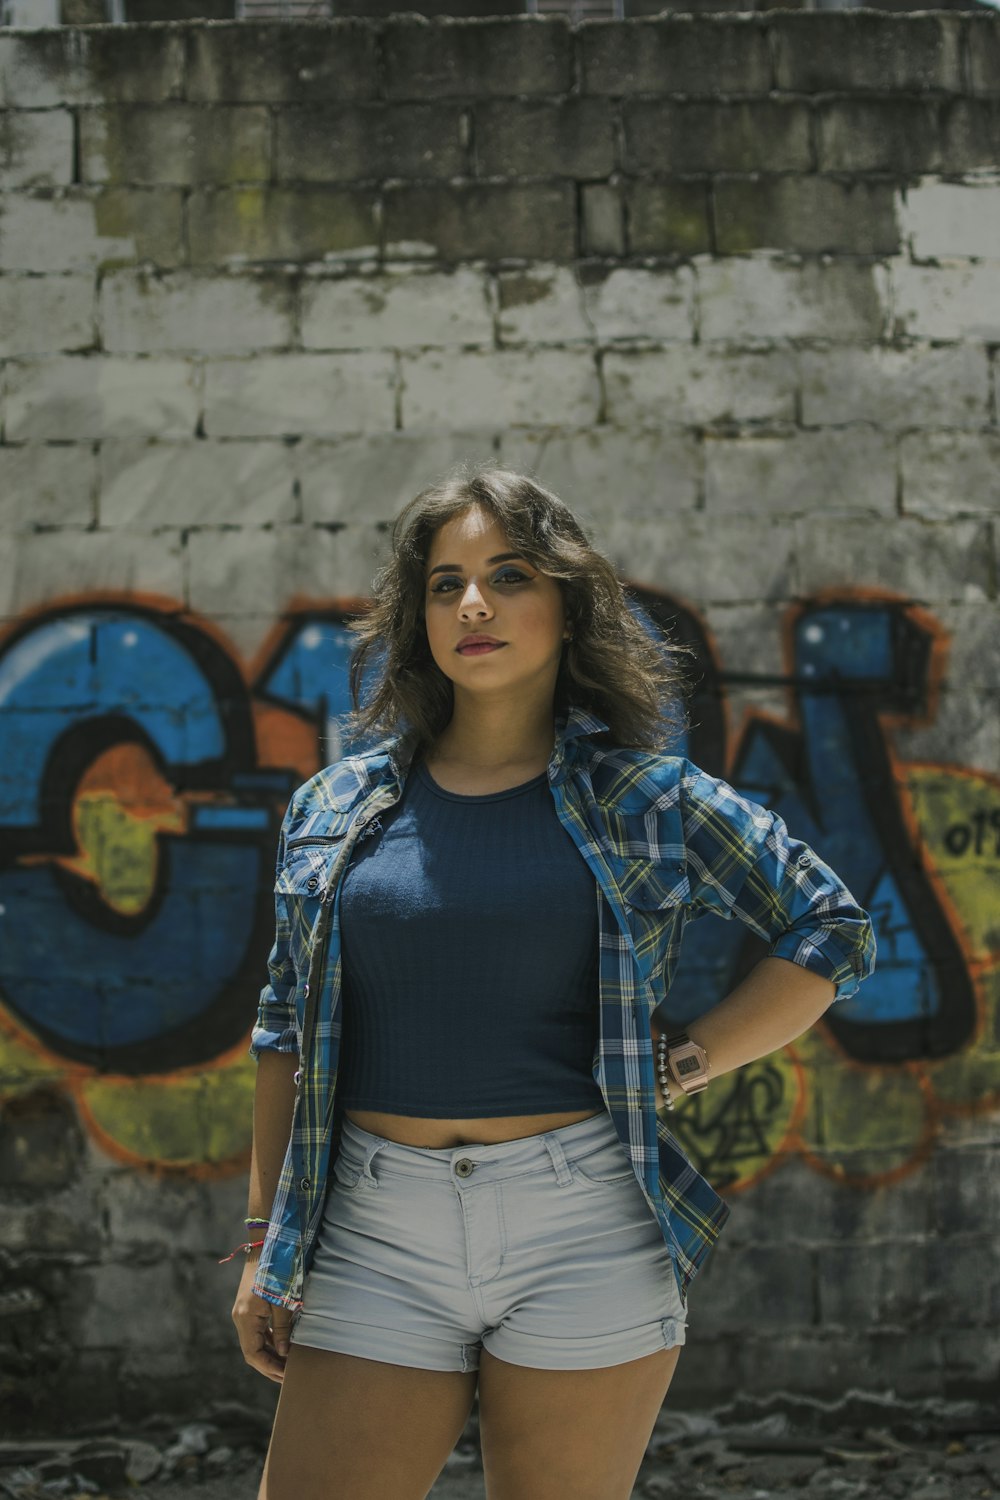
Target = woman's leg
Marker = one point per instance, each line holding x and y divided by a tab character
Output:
348	1428
549	1434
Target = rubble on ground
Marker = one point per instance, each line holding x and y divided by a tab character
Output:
862	1444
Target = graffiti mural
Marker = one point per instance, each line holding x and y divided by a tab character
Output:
144	774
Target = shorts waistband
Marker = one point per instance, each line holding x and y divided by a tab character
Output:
500	1158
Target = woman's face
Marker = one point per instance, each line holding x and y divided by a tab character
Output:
474	586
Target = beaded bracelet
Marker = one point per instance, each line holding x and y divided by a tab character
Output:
247	1247
661	1068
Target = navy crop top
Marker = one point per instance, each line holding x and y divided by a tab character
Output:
469	951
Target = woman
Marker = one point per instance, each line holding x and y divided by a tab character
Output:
463	1175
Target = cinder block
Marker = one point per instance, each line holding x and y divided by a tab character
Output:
842	470
36	148
534	221
947	301
369	142
895	135
971	1363
370	479
982	43
816	215
764	1285
43	314
279	395
109	64
142	312
951	219
918	386
399	309
271	570
444	57
42	485
129	1306
749	136
883	1285
692	385
144	486
603	219
970	135
668	217
948	474
543	304
764	298
648	473
145	1213
685	560
86	229
964	1182
281	223
47	565
177	143
684	54
533	138
91	396
508	386
854	51
816	1362
635	303
950	561
274	63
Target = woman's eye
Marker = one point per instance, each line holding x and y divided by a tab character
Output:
506	575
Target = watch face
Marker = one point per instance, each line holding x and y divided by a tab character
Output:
687	1065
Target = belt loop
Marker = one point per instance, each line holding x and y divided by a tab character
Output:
563	1174
366	1170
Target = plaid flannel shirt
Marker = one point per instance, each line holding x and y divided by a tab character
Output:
665	841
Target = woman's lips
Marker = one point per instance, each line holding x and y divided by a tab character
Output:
481	648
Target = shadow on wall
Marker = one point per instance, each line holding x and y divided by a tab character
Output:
144	777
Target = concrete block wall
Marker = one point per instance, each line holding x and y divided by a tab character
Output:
730	284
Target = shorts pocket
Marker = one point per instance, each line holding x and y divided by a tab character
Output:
604	1166
347	1174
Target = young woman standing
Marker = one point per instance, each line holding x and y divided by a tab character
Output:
463	1175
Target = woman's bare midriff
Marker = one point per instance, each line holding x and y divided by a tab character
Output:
416	1130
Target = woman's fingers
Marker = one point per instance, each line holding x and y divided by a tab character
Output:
263	1331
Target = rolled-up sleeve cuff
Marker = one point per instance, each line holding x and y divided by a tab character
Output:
845	966
264	1040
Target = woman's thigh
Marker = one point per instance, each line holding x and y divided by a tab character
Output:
348	1428
549	1434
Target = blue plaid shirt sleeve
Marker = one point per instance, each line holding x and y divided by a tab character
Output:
275	1028
743	863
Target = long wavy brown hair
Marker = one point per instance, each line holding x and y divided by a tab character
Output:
612	666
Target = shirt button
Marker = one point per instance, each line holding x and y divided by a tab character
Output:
305	1184
465	1167
805	860
305	990
297	1076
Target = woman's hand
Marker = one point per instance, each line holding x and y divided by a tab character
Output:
263	1327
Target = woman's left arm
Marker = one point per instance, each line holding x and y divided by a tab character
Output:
743	863
775	1003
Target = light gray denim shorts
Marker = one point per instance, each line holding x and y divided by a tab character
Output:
542	1250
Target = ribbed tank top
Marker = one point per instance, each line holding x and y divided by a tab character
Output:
469	952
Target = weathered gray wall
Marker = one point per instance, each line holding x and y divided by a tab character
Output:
731	285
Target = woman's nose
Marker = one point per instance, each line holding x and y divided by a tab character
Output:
473	599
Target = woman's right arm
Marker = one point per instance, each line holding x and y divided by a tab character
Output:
263	1327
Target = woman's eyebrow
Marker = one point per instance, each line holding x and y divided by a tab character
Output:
456	568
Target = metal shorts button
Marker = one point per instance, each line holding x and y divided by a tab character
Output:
465	1167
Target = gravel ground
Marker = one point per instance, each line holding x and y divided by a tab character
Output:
862	1445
